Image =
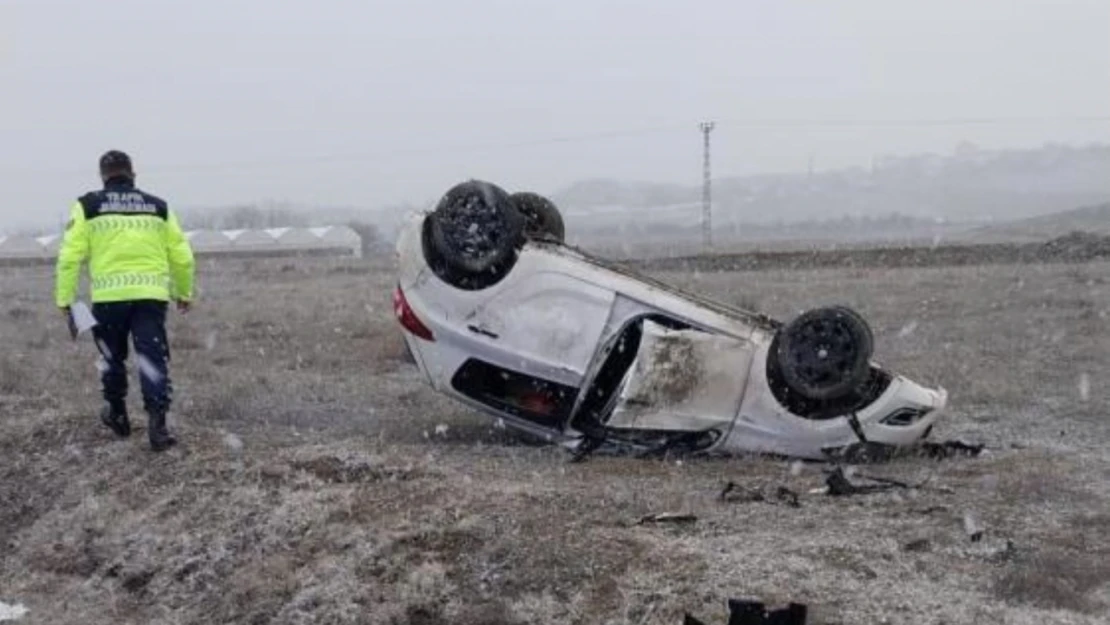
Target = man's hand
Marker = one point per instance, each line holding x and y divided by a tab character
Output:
64	310
184	306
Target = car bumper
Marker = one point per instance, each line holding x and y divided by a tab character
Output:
766	426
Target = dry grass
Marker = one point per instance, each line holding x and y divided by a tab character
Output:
15	377
312	484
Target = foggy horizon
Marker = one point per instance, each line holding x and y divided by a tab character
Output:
370	106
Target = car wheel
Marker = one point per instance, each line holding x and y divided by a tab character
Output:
474	234
825	353
861	322
542	218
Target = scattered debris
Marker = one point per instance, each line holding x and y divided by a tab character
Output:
735	493
787	496
972	528
745	612
870	452
948	449
838	484
12	612
919	545
668	517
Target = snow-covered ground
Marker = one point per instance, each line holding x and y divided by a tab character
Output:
318	480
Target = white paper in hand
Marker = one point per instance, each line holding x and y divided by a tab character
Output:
83	319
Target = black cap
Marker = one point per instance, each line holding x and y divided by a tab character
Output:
115	160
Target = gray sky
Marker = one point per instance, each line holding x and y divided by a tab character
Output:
364	102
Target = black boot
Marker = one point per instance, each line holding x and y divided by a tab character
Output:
160	438
115	417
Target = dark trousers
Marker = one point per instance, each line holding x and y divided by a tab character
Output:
144	321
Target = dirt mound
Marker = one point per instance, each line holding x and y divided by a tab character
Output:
1074	247
1077	245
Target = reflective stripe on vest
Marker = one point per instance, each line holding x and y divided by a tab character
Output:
124	280
108	223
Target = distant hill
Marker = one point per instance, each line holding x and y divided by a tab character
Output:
1091	219
969	185
922	196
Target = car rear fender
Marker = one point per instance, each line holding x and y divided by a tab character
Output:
548	317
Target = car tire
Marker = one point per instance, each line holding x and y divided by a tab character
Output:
859	320
543	221
825	353
473	235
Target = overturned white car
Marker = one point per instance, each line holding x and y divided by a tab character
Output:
500	314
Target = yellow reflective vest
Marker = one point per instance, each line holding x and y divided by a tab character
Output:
133	244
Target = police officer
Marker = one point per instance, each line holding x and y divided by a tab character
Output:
139	260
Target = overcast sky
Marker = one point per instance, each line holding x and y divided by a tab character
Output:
362	102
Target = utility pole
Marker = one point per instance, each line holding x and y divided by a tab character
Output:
706	200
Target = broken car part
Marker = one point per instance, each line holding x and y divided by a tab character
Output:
746	612
668	517
735	493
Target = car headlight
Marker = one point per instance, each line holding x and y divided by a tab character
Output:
905	416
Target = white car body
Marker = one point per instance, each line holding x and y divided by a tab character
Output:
557	316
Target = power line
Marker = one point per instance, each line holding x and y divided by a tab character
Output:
355	157
706	203
912	122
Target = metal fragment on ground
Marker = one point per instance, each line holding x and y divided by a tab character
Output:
668	517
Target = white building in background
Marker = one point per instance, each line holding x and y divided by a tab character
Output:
17	246
208	240
338	237
50	244
295	238
333	240
252	239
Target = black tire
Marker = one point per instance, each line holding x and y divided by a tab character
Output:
474	234
543	221
825	353
860	320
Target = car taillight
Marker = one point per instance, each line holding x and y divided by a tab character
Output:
538	403
408	319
